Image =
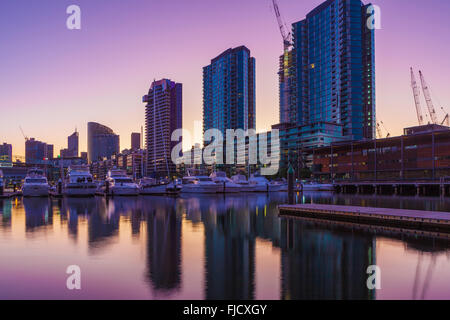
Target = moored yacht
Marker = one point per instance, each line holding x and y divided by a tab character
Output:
150	186
279	185
35	184
260	183
315	186
79	182
120	184
226	184
200	184
241	180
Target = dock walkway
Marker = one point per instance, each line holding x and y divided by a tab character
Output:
410	219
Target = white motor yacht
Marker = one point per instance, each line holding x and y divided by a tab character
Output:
260	183
279	185
150	186
79	182
241	180
226	184
315	186
120	184
200	184
35	184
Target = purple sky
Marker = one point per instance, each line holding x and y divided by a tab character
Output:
53	79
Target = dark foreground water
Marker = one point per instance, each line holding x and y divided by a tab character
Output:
212	247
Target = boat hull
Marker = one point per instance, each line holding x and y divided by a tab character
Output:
35	191
159	190
123	191
200	189
229	188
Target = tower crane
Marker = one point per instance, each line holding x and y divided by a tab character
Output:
26	137
387	131
446	119
426	93
380	132
416	93
285	34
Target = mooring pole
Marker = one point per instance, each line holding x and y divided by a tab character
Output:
291	178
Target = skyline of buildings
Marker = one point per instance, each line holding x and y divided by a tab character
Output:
163	115
94	93
325	82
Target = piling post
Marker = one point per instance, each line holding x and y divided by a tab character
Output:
291	178
106	188
1	190
59	188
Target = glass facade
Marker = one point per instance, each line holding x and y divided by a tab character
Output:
102	142
229	91
331	72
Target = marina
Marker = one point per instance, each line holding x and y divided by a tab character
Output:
216	246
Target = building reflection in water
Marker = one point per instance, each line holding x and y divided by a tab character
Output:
229	247
163	244
318	259
103	224
324	264
5	212
37	213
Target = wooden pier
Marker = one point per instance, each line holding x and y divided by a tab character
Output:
408	219
7	195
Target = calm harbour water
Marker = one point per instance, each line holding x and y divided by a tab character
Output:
212	247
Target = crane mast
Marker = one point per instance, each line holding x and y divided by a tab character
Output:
416	93
287	36
380	134
426	93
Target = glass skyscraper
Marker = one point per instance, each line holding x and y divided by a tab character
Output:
102	142
327	81
229	91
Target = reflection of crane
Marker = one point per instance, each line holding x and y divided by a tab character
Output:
426	93
416	98
427	279
287	36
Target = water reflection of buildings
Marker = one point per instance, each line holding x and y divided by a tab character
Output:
37	213
103	224
324	264
163	244
229	248
5	212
